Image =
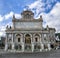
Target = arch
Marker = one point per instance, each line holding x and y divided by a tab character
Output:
27	35
36	34
36	38
18	34
18	37
27	39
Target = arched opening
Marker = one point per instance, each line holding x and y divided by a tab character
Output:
18	38
37	38
27	39
27	42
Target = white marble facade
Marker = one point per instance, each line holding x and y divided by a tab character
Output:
28	34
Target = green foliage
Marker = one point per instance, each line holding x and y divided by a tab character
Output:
57	34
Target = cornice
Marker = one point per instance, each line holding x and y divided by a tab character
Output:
31	20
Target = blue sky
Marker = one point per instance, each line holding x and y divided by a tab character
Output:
49	9
13	5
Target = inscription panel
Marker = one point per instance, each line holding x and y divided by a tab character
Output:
28	25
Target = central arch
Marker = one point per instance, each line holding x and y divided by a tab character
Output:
27	39
28	42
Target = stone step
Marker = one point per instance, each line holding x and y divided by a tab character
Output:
49	54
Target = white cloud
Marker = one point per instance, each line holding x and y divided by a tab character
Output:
17	15
3	28
53	18
40	6
1	33
6	17
35	4
1	18
9	15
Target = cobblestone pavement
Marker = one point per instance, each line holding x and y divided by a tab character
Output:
49	54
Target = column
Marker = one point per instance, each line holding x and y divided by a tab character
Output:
12	42
42	41
6	44
6	47
22	47
48	37
22	42
32	43
49	48
42	46
12	38
40	38
13	46
32	47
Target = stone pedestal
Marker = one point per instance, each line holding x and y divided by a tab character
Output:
49	48
42	46
32	47
13	46
6	47
22	47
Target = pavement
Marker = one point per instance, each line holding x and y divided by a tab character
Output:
48	54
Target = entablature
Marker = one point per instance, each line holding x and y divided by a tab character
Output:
21	20
26	31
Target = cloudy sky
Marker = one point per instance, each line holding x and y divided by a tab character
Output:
49	9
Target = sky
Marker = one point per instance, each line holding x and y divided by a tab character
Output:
49	9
